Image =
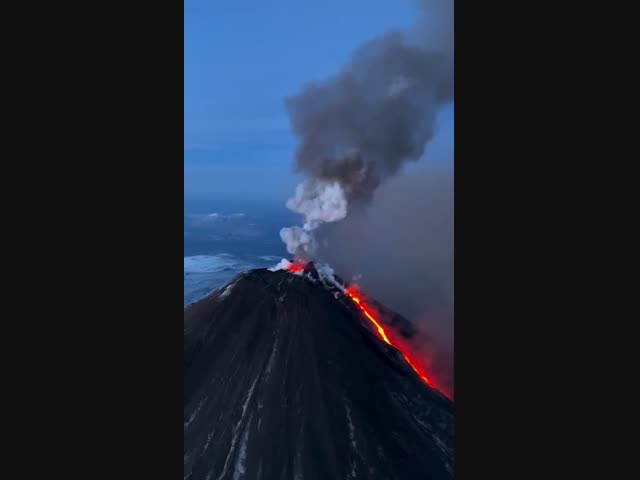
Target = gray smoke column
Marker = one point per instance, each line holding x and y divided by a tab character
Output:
361	126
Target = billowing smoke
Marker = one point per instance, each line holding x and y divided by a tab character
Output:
361	126
320	201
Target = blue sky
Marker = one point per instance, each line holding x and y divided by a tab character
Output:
242	58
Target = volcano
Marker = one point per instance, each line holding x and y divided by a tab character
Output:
285	378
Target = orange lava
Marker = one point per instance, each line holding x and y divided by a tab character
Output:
353	295
295	267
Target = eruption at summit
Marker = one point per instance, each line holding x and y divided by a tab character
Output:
291	372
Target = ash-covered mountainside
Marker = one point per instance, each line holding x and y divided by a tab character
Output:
284	379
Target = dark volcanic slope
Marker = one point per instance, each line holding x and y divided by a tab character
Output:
285	380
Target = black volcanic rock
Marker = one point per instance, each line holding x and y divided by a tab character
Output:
284	379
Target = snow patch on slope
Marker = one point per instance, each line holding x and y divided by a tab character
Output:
239	469
195	412
236	431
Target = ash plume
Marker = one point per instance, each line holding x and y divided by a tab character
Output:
360	127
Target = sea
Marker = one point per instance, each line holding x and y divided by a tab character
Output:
225	239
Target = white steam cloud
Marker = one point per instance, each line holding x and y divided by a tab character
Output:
319	201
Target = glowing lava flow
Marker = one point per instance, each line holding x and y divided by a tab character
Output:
353	294
358	301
